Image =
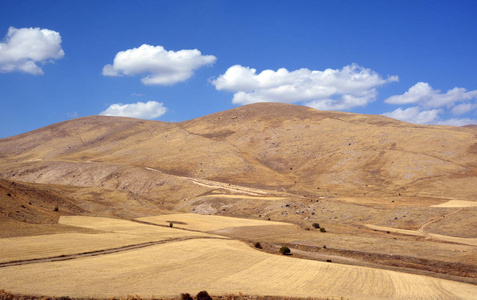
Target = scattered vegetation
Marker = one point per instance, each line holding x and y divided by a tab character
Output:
203	295
285	250
186	296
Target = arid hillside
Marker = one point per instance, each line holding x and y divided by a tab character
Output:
272	146
354	189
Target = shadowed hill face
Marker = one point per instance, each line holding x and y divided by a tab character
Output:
269	145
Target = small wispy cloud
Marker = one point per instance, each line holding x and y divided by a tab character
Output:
149	110
28	49
160	67
137	95
72	115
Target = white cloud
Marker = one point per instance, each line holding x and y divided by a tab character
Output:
423	94
329	89
140	110
463	108
415	115
27	49
458	122
160	66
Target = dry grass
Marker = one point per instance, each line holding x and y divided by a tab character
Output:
220	267
459	240
244	197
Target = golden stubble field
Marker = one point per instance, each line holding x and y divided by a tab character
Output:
190	261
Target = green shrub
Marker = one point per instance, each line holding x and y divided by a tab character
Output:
285	250
322	229
257	245
170	224
316	225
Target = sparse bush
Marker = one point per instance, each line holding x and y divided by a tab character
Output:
324	246
203	295
171	224
56	208
257	245
285	250
186	296
322	229
316	225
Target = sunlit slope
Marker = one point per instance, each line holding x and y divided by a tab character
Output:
220	267
265	145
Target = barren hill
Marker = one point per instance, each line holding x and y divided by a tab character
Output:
267	145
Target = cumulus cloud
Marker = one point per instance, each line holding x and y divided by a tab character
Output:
423	94
28	49
149	110
415	115
430	106
159	66
463	108
335	89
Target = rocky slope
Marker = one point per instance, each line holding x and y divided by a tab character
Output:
279	147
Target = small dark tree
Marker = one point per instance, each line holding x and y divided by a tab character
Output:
316	225
203	295
170	224
322	229
285	250
257	245
186	296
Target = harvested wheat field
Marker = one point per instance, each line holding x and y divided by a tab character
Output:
457	203
207	222
219	266
111	233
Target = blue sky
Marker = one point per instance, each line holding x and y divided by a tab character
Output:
178	60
